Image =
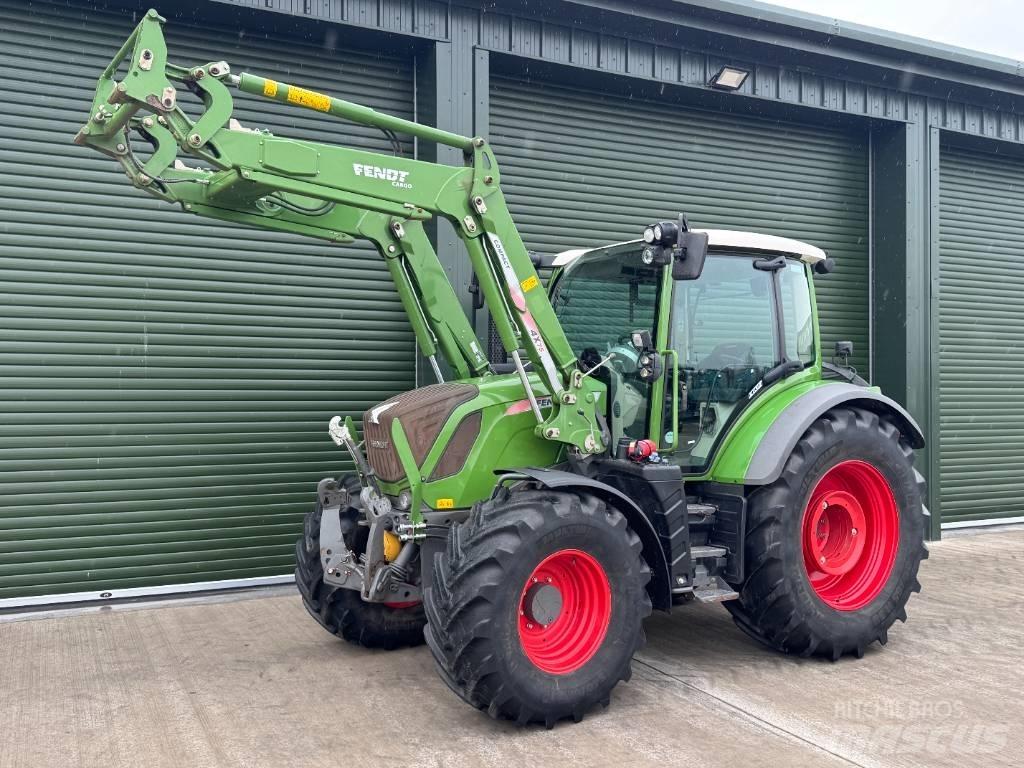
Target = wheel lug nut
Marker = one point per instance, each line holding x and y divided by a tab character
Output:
822	561
529	626
853	531
824	505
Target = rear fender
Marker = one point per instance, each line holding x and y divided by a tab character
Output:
774	448
660	586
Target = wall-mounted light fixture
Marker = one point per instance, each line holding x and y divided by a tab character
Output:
729	78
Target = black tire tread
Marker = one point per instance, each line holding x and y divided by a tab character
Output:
342	612
467	580
765	610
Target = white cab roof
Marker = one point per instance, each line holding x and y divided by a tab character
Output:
726	239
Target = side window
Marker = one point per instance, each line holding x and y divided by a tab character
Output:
797	317
726	317
725	336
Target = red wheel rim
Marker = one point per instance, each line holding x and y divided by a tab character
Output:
403	605
850	533
564	611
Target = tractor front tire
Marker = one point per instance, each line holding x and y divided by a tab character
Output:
343	612
834	545
537	607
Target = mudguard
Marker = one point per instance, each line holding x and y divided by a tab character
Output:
778	442
660	586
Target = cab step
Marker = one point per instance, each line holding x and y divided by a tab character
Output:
697	509
702	551
712	594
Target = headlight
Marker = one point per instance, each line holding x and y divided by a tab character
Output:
649	235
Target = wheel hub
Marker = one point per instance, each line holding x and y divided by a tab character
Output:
838	541
543	603
850	535
564	611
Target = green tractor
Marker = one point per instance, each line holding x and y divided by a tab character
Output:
662	430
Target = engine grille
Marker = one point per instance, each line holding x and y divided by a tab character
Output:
423	413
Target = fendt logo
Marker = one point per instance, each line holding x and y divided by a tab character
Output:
397	178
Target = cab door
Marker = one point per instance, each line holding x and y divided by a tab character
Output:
744	317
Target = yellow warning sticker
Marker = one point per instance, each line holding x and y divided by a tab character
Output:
270	88
446	503
530	283
310	99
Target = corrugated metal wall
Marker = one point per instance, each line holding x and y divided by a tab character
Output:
167	381
581	169
981	331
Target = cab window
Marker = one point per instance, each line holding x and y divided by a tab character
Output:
725	336
797	313
599	302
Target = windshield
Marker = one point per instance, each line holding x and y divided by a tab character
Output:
600	301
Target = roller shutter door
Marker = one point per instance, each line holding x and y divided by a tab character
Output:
582	169
167	381
981	332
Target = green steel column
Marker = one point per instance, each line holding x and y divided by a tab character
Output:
932	430
443	100
482	127
904	161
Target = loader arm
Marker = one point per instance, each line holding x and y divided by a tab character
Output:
336	193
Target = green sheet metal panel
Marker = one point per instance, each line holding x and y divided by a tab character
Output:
581	169
165	405
981	334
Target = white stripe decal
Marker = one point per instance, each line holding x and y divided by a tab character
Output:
519	300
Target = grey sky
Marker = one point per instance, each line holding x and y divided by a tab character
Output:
989	26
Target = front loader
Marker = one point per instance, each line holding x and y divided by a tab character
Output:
663	428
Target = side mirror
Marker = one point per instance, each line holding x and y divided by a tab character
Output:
844	349
689	255
826	266
649	365
641	340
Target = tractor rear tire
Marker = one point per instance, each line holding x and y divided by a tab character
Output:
537	606
343	612
834	545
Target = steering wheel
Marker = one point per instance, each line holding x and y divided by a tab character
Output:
624	358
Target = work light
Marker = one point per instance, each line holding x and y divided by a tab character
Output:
729	79
662	233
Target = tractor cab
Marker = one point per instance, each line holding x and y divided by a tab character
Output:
683	358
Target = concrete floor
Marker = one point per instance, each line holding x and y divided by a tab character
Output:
252	681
